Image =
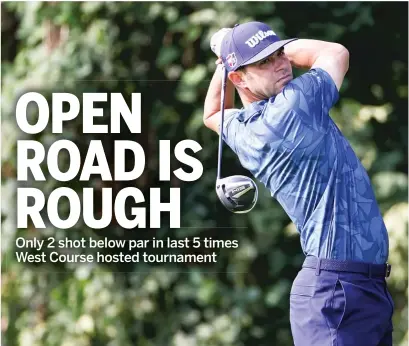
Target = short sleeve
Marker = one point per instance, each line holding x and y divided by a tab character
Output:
311	96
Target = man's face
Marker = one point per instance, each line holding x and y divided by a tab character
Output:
268	77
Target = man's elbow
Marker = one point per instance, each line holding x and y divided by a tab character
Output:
206	122
342	55
210	120
206	119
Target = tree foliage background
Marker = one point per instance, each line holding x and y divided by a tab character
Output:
161	50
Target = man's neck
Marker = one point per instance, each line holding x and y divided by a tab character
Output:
247	97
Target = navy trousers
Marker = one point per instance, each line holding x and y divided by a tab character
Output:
341	303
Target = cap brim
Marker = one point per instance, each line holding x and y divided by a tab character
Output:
268	51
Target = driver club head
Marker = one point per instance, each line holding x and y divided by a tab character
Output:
237	193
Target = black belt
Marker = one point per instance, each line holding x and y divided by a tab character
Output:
383	270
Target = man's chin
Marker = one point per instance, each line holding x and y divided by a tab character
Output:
285	80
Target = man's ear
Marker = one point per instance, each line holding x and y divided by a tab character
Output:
237	79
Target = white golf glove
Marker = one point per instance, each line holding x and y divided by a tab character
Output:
217	39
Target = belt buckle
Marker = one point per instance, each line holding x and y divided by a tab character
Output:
388	270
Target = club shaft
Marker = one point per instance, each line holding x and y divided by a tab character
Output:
222	99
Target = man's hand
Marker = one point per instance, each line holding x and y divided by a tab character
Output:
217	39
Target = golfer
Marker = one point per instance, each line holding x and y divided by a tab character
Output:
285	137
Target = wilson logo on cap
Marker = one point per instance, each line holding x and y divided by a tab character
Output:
257	38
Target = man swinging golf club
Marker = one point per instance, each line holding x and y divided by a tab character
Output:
286	139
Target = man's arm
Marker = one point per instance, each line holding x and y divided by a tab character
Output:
331	57
211	117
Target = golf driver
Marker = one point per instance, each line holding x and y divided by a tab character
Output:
237	193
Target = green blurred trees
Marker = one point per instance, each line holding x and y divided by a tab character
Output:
161	50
